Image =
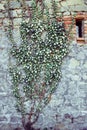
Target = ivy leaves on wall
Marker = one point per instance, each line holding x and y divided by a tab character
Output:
38	59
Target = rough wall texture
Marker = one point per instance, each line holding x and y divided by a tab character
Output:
68	107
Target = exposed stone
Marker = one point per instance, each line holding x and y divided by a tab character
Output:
10	127
69	97
73	63
66	13
3	118
1	15
17	21
85	65
5	127
1	6
14	4
60	126
16	13
15	119
81	56
29	3
5	22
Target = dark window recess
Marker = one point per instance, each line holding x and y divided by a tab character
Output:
79	28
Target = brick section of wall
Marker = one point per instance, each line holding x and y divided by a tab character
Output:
16	14
68	21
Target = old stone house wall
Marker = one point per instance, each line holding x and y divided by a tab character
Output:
68	108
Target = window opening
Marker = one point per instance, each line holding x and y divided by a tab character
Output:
79	28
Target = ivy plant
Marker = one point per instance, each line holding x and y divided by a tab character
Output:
36	70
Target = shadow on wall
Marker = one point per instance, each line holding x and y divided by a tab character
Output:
84	129
28	128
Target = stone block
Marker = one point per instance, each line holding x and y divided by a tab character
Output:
1	15
14	4
73	63
29	3
10	127
16	13
85	23
5	127
5	22
75	78
85	65
50	11
17	21
3	118
84	77
1	6
60	126
82	83
15	119
66	13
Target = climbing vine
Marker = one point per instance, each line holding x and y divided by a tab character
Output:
36	69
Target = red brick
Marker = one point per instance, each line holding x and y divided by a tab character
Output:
85	28
67	18
68	22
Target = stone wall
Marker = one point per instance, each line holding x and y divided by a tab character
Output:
68	108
